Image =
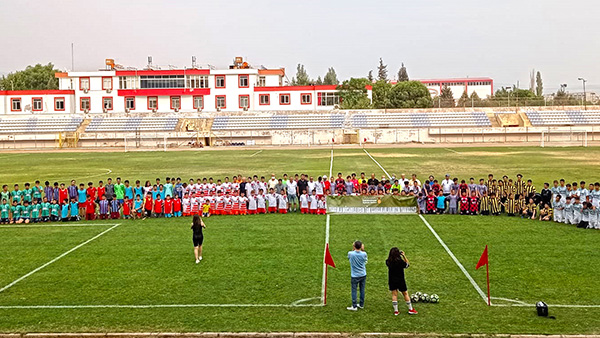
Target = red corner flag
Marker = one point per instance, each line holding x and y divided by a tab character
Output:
483	260
328	259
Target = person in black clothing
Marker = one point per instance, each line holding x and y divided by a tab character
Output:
396	263
198	236
302	183
546	194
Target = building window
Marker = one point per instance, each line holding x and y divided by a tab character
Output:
107	103
197	81
128	82
152	102
284	99
243	81
107	83
84	83
59	103
130	103
199	102
162	81
220	102
244	101
175	102
36	104
84	103
220	81
327	99
264	99
15	104
306	98
261	81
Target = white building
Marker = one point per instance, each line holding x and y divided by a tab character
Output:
483	86
237	89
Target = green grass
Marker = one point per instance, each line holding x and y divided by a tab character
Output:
277	259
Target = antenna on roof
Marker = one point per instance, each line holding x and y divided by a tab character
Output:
149	61
194	61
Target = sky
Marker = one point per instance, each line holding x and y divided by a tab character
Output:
503	40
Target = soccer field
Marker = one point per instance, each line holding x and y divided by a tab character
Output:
264	272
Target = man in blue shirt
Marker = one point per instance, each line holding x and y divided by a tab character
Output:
358	272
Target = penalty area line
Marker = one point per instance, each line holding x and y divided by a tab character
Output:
374	160
152	306
56	259
58	225
256	153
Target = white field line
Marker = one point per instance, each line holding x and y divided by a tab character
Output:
56	259
385	171
59	225
256	153
452	150
327	223
331	165
150	306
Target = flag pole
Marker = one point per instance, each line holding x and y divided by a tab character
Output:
487	268
325	293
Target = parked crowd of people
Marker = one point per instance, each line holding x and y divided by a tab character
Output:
575	203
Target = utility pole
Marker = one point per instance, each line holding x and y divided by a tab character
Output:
584	95
72	59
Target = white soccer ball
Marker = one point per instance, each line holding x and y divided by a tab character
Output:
414	298
434	298
418	294
425	298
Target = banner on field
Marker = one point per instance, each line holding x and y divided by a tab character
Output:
384	204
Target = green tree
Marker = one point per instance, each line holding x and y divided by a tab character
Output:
464	100
353	94
301	78
539	85
331	77
410	94
382	95
319	81
36	77
446	97
381	71
476	100
402	74
370	76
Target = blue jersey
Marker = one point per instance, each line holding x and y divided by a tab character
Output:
81	195
74	209
114	206
129	193
138	191
138	205
64	213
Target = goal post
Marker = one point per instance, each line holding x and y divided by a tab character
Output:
550	138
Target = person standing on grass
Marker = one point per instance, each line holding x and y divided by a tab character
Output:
358	273
198	236
396	263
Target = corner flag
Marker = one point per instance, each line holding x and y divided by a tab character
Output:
328	259
484	260
327	262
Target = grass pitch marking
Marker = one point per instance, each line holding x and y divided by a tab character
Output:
153	306
327	225
452	150
58	225
56	259
256	153
385	171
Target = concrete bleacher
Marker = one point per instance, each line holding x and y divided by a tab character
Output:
279	122
130	124
39	125
563	117
420	120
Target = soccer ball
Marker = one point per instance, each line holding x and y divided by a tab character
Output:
414	298
425	298
418	294
434	298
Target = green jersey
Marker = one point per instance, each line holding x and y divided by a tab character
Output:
27	193
15	210
5	195
54	209
37	192
17	195
120	191
4	210
25	211
35	211
45	209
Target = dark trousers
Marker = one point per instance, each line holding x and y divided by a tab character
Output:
360	283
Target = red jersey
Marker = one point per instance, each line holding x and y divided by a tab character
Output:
464	203
327	186
177	205
63	194
430	203
474	204
91	191
148	203
126	209
168	206
101	191
158	204
436	188
90	207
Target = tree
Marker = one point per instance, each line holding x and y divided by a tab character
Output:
381	71
464	100
36	77
410	94
382	95
331	77
539	85
301	78
402	74
370	76
446	97
476	100
319	81
353	94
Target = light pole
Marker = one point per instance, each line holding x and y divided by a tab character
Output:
508	89
584	96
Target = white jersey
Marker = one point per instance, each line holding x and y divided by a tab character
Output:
252	203
282	199
185	203
260	202
304	201
319	188
272	199
320	204
313	202
292	187
311	186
